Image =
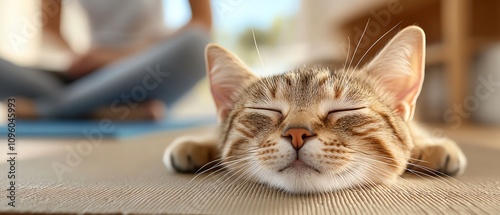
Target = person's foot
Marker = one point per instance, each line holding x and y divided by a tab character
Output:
25	108
148	110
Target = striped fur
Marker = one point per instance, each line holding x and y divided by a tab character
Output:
363	134
343	140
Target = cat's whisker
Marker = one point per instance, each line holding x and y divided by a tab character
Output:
359	42
348	181
248	173
265	85
226	166
344	73
240	171
376	172
219	164
433	172
375	43
206	170
427	178
436	173
382	162
238	185
219	161
343	81
227	173
410	159
207	176
217	183
258	52
374	185
348	51
223	162
362	183
266	73
231	173
212	175
369	181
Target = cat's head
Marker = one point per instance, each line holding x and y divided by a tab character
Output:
316	129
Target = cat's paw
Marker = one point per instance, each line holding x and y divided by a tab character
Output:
188	154
444	156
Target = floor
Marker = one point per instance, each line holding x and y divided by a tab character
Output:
127	176
474	134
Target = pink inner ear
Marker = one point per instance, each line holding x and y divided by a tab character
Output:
222	102
227	74
400	65
414	81
406	89
405	111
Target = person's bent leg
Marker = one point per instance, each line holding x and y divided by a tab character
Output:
26	85
166	71
24	82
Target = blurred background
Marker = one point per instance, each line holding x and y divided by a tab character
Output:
462	84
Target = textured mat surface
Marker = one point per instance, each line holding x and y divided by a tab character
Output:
128	177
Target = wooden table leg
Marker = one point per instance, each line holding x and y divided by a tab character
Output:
456	21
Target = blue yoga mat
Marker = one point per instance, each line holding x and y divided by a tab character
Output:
108	128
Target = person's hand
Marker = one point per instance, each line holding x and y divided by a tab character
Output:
56	41
94	59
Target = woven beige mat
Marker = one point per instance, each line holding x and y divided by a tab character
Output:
129	177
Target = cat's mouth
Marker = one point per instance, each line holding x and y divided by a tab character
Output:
299	165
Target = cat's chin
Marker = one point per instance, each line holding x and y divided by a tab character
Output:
299	168
302	183
301	179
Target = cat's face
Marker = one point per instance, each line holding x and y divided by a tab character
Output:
317	129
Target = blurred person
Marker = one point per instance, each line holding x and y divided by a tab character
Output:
132	70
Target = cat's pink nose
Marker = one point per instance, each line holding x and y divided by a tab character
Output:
298	135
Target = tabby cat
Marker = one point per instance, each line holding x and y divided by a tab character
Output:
317	129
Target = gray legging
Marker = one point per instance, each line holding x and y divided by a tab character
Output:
163	72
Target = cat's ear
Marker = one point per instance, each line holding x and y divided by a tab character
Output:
227	75
400	67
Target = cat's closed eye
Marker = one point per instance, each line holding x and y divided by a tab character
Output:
345	110
339	113
266	110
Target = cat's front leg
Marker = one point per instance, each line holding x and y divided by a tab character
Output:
188	154
437	154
